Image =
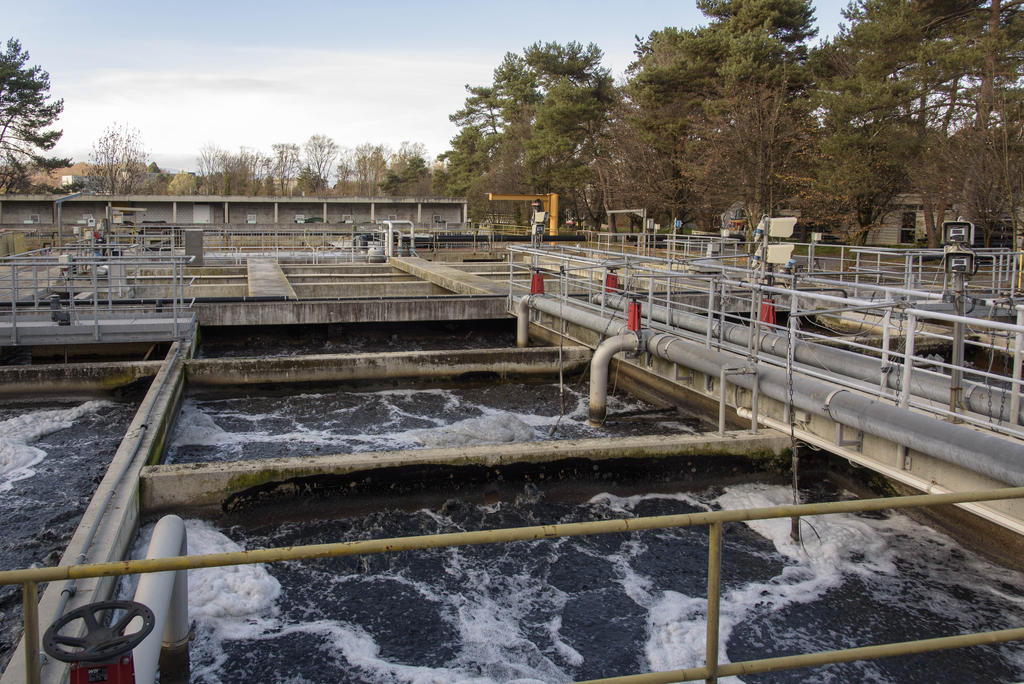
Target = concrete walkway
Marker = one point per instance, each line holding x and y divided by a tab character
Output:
266	279
449	278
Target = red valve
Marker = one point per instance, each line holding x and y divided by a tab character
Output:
633	322
537	283
768	311
121	671
611	282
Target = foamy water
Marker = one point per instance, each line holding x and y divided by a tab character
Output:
348	422
51	458
17	434
568	609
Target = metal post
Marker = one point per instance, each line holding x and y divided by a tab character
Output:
956	372
1018	349
30	608
95	297
721	402
886	321
714	599
712	286
908	360
650	297
14	302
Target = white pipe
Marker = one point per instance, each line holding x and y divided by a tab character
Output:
523	322
627	341
166	594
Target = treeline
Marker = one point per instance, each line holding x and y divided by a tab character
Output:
747	112
318	167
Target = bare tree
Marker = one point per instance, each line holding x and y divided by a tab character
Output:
319	154
371	166
120	159
285	165
345	172
210	163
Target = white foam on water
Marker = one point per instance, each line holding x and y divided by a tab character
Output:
839	546
228	592
234	602
196	427
627	504
17	456
488	429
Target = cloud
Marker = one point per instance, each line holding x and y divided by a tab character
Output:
255	98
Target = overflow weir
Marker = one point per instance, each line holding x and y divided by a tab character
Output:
682	326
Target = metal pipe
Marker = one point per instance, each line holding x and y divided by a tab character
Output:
627	341
714	599
30	607
988	455
166	594
523	322
931	386
997	458
532	533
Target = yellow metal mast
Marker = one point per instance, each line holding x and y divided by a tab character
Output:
548	201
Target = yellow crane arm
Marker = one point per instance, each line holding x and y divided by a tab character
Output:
548	201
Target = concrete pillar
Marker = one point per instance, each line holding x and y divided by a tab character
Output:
325	212
225	212
372	213
275	212
174	212
419	212
465	212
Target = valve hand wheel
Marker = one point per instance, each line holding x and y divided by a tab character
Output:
99	641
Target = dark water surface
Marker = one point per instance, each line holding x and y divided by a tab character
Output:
566	609
52	456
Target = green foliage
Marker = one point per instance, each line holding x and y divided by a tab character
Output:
535	128
26	112
727	104
407	179
183	183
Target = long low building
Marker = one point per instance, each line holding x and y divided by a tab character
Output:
42	210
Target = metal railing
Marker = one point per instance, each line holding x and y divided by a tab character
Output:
89	286
30	579
901	331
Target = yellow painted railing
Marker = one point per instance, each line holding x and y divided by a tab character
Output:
30	578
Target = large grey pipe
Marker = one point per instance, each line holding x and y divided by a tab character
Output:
979	452
166	594
627	341
1000	459
933	386
561	309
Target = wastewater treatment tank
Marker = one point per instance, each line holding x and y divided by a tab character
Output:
565	609
52	456
585	607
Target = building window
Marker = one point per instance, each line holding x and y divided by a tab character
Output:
908	230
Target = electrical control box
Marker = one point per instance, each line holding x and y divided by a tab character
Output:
957	232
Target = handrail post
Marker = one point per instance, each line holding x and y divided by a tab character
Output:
714	598
30	608
1018	349
908	360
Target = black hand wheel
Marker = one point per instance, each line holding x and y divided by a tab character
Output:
99	642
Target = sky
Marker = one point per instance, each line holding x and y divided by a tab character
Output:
187	73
